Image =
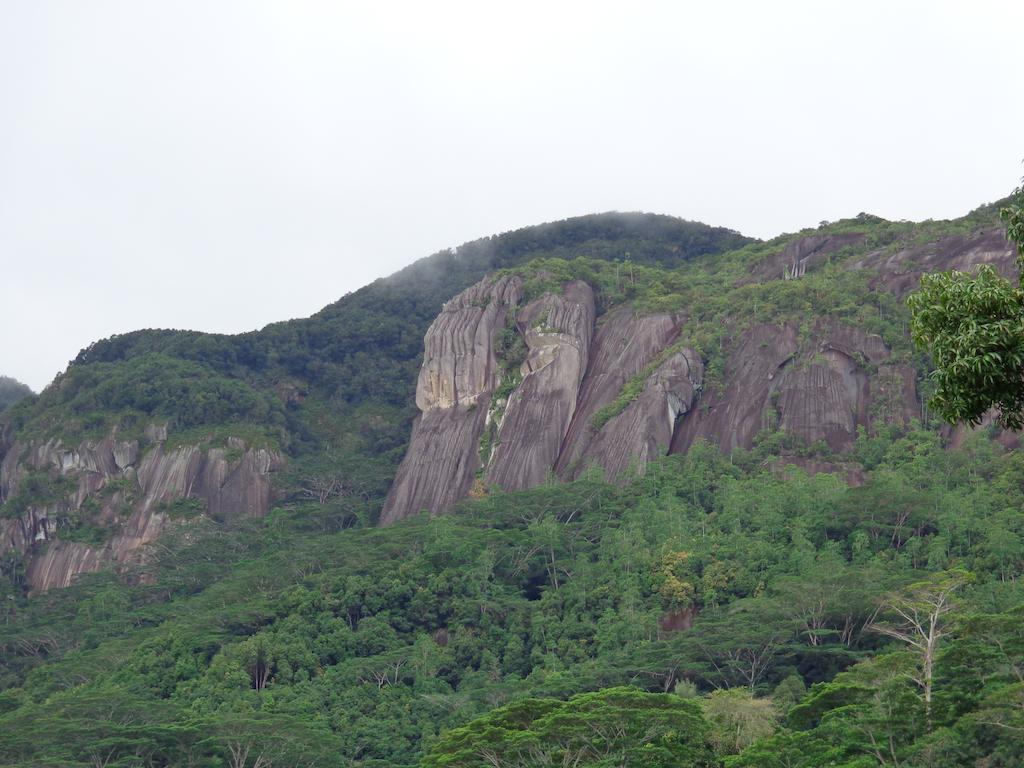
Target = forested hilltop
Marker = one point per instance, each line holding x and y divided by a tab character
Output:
11	391
703	518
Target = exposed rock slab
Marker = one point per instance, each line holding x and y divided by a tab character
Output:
558	332
440	464
731	416
821	384
824	400
800	256
825	394
61	562
230	485
460	370
624	345
819	389
643	431
459	362
900	272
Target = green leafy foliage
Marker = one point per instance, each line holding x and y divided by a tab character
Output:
38	488
612	727
391	644
973	327
88	400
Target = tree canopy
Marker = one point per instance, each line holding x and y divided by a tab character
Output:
973	327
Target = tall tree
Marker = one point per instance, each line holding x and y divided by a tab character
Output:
917	617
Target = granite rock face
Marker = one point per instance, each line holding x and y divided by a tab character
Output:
459	363
460	371
126	492
440	464
900	272
799	257
613	392
821	388
824	395
643	431
617	391
732	415
573	368
557	330
625	345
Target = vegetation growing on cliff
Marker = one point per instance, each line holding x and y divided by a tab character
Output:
632	388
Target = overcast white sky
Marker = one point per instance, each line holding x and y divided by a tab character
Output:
221	165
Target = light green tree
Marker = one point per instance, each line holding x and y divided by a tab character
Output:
917	616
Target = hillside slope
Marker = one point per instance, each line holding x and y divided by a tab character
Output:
561	365
686	491
209	424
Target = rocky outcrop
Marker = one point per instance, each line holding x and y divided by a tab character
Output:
731	415
800	256
900	271
126	491
230	487
440	464
819	389
90	463
825	394
61	561
643	431
459	361
557	330
460	371
625	345
545	426
619	391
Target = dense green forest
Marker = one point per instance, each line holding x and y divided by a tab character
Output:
721	610
408	645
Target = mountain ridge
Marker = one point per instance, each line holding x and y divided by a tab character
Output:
193	572
339	380
328	398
